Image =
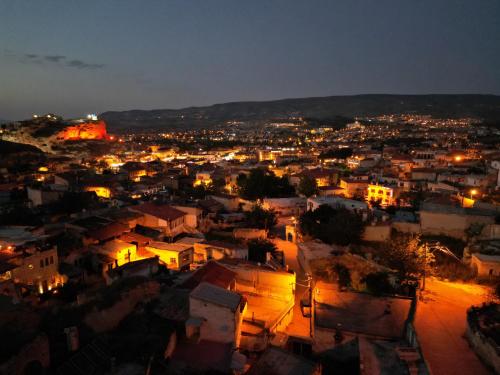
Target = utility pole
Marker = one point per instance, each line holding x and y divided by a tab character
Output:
311	303
425	266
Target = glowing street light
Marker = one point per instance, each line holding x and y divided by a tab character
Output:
472	193
458	158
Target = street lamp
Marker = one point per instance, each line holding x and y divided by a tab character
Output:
436	246
472	193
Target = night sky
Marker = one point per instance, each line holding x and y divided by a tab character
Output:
78	57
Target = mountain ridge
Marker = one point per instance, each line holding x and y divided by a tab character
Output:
484	106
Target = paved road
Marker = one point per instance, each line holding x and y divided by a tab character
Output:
300	325
440	325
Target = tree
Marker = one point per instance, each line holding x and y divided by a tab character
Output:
333	226
260	218
307	186
258	250
343	275
338	153
261	183
407	255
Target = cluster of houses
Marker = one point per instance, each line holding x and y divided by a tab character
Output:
148	247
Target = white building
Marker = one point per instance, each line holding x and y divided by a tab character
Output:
486	265
216	314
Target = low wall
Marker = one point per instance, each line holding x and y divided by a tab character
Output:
484	347
405	227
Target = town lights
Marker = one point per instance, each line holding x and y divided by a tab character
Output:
472	193
458	158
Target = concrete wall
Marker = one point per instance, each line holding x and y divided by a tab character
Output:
172	228
491	232
249	233
39	197
450	224
220	323
484	267
278	285
377	233
193	215
203	252
405	227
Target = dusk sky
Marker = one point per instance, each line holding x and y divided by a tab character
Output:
78	57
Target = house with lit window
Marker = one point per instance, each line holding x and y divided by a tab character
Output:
27	261
168	219
322	176
34	268
120	251
203	178
353	188
134	170
382	194
177	256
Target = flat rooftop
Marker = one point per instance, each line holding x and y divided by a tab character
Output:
383	317
169	246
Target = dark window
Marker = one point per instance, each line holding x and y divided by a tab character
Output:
51	259
41	263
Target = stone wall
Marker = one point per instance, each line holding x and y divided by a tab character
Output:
109	318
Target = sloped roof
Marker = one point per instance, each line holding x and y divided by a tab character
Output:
213	273
108	231
162	211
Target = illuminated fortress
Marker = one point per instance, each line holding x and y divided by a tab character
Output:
84	131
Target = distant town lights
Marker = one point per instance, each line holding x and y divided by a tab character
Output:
92	117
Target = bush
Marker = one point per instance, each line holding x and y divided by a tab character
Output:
261	218
378	283
343	274
258	249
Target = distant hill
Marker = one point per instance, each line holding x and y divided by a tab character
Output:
486	107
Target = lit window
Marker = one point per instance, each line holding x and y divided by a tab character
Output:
173	260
